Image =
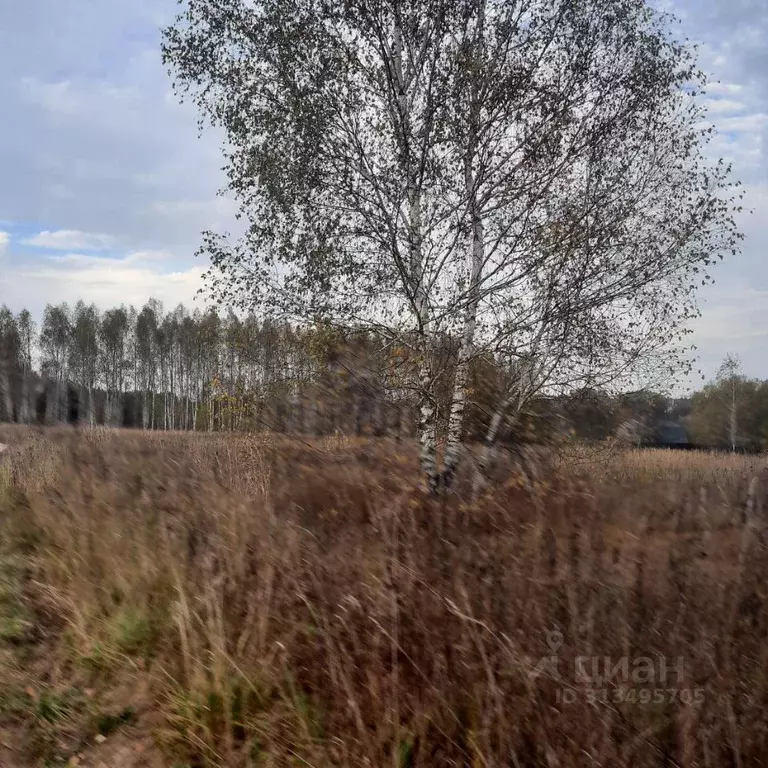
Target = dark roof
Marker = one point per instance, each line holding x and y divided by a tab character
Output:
671	433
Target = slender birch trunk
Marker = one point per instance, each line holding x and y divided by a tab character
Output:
461	378
5	385
489	443
51	402
63	402
427	411
427	414
476	259
526	386
24	408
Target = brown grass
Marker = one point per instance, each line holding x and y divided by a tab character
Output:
262	601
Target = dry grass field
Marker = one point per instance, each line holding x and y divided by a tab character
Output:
216	600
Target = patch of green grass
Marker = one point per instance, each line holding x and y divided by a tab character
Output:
108	722
15	702
15	628
95	659
59	723
405	753
131	630
54	706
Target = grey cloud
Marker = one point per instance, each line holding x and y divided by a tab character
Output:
67	239
91	139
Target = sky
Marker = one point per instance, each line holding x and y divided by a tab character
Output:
106	182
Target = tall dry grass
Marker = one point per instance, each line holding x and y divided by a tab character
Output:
287	603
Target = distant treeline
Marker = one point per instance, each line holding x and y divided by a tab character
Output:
198	370
194	371
206	371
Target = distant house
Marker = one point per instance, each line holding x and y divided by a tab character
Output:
671	433
664	434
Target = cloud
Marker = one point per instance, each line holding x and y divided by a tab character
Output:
733	48
724	89
735	322
724	106
56	98
105	281
66	239
90	136
753	123
5	241
85	261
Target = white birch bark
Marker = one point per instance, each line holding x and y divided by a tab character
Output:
530	375
5	385
487	453
461	377
427	414
476	260
24	409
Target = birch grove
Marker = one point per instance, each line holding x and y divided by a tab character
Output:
194	371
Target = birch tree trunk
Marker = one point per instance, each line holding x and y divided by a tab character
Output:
427	427
489	443
427	413
5	385
461	378
63	402
51	402
476	260
24	408
529	379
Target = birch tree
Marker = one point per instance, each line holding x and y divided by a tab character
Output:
591	209
84	354
114	338
333	156
27	332
55	341
731	380
146	342
520	176
10	353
